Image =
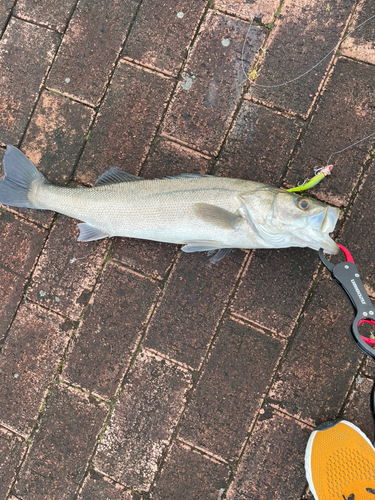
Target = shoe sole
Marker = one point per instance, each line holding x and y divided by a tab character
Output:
320	428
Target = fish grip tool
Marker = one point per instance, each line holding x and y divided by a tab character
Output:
346	275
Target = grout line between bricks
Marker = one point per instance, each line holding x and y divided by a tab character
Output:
204	452
195	377
165	280
177	80
109	80
42	85
34	23
113	402
283	354
24	290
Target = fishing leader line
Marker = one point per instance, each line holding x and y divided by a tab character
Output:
306	72
323	171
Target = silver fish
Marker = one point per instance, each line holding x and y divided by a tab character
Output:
203	213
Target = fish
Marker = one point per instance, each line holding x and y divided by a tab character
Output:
200	212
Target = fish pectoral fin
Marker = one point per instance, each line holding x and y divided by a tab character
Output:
217	216
115	176
201	246
90	233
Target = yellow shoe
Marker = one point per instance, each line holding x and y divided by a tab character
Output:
340	463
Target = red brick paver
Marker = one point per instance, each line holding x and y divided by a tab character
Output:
194	300
142	423
207	96
97	487
72	270
227	397
162	32
127	122
52	13
107	337
62	445
130	370
188	474
272	468
56	136
29	360
346	104
12	450
24	45
90	47
304	33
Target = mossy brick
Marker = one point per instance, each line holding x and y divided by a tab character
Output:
259	145
90	47
26	53
321	362
211	84
188	474
231	389
67	270
127	122
162	33
193	302
62	446
345	115
272	466
52	13
29	360
142	422
108	336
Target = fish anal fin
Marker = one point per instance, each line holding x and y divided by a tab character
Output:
116	176
201	246
217	216
90	233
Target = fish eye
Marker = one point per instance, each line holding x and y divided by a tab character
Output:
303	203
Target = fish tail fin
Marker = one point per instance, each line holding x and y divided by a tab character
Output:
20	172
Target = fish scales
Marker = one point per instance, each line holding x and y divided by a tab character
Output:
160	209
200	212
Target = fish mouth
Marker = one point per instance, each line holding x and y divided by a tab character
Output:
322	224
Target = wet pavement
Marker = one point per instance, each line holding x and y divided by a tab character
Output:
130	370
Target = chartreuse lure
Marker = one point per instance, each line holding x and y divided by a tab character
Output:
314	181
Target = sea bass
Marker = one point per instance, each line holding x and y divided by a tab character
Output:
200	212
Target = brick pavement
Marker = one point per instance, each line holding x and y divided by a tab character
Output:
130	371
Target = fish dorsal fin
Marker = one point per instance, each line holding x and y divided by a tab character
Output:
217	216
90	233
115	176
186	176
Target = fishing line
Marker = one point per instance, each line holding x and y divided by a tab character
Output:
320	173
350	146
244	43
306	72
